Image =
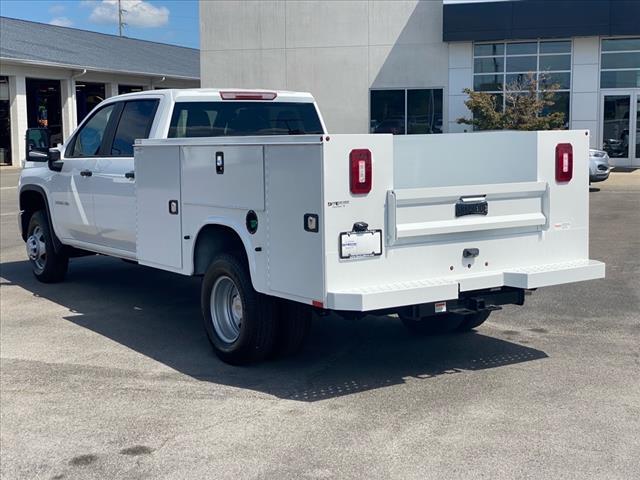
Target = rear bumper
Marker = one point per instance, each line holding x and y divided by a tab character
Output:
600	174
417	292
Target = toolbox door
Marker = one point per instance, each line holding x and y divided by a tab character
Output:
159	206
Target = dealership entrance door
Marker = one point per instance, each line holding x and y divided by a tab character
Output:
620	127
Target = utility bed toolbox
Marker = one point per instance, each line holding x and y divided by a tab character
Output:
438	214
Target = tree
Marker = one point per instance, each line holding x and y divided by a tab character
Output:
525	107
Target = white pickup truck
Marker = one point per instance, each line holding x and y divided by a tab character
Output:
248	190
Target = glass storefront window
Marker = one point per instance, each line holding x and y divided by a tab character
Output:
122	89
638	128
488	65
615	126
487	83
521	80
424	111
406	111
522	64
620	79
488	49
621	60
522	48
88	96
620	63
561	104
620	44
555	62
562	79
387	111
563	46
510	66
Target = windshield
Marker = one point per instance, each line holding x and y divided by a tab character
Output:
226	119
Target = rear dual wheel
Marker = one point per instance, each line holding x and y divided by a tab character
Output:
245	326
239	321
444	323
294	324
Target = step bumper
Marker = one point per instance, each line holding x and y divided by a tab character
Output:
416	292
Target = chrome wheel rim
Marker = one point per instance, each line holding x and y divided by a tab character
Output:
226	309
37	248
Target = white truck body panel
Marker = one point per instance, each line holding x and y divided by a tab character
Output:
159	182
535	234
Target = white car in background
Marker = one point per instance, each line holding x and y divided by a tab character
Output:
599	167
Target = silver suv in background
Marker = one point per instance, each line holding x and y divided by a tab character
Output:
599	167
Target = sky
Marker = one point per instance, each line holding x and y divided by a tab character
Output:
168	21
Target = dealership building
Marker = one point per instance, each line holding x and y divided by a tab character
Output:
52	76
401	66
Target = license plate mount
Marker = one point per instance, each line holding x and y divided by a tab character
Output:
360	244
478	207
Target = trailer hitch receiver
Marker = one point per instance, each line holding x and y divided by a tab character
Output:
470	252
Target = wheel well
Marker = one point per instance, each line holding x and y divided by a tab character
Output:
30	202
213	240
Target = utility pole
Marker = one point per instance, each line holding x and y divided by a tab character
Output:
121	23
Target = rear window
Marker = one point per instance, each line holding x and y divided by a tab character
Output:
135	122
226	119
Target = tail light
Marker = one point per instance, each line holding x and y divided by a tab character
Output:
360	171
564	162
248	95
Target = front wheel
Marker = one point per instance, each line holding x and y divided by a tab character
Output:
47	265
238	320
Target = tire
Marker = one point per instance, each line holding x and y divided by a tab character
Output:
474	320
294	324
433	324
47	265
241	325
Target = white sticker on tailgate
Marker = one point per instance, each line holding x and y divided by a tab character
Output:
361	244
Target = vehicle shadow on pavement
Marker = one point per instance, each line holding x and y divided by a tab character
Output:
157	314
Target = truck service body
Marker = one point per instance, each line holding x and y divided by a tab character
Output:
248	189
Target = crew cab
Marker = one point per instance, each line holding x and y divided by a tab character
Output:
280	218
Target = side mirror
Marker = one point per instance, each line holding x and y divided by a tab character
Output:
54	160
34	155
38	141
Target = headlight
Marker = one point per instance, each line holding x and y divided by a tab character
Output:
597	153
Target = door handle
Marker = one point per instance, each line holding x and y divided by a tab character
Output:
86	173
131	175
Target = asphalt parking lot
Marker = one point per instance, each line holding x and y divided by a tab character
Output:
110	375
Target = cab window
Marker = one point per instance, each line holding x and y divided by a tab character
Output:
135	123
227	119
88	140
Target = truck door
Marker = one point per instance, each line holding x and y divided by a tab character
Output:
114	177
71	188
